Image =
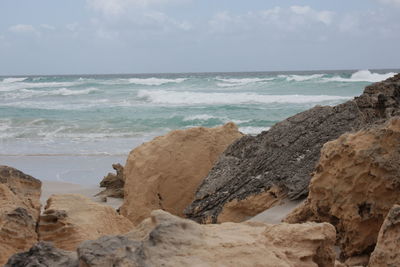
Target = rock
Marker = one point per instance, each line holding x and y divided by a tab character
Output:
387	251
165	172
19	211
167	240
356	182
43	254
286	155
114	183
71	219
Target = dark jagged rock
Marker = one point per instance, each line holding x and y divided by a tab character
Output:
43	254
285	156
114	183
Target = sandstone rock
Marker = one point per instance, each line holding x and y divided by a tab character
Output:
165	172
114	183
43	254
71	219
387	250
166	240
19	211
356	182
285	155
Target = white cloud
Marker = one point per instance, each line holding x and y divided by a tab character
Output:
323	16
72	26
24	29
48	27
118	7
391	2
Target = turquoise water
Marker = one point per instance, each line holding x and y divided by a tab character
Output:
111	114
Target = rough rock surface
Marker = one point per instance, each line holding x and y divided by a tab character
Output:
285	155
19	211
71	219
114	183
165	172
387	250
44	254
355	184
167	240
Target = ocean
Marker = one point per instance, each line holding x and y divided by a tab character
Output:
79	118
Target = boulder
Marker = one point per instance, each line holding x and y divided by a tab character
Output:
71	219
355	183
19	211
286	155
114	183
43	254
167	240
165	172
387	250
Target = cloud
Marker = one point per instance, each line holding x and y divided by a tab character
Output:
391	2
47	27
23	29
118	7
323	16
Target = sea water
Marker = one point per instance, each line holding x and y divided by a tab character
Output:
108	115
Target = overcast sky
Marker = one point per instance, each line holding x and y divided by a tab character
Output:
141	36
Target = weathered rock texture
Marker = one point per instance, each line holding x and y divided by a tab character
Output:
286	155
387	250
19	211
165	172
44	254
114	183
166	240
355	184
71	219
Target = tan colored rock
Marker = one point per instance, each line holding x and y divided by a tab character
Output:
19	211
165	172
241	210
71	219
113	183
167	240
387	250
356	182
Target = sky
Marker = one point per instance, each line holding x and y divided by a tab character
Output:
158	36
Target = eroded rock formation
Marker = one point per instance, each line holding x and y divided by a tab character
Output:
165	172
71	219
43	254
387	250
286	155
356	182
114	183
19	211
167	240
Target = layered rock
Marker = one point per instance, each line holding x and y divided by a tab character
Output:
285	155
114	183
44	254
19	211
356	182
166	240
165	172
71	219
387	252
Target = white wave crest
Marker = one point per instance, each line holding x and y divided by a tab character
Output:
253	130
65	91
362	76
202	117
301	78
27	93
155	81
13	80
187	98
237	82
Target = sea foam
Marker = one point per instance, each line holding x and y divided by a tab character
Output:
362	76
188	98
155	81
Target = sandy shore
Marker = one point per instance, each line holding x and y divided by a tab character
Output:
51	187
276	214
